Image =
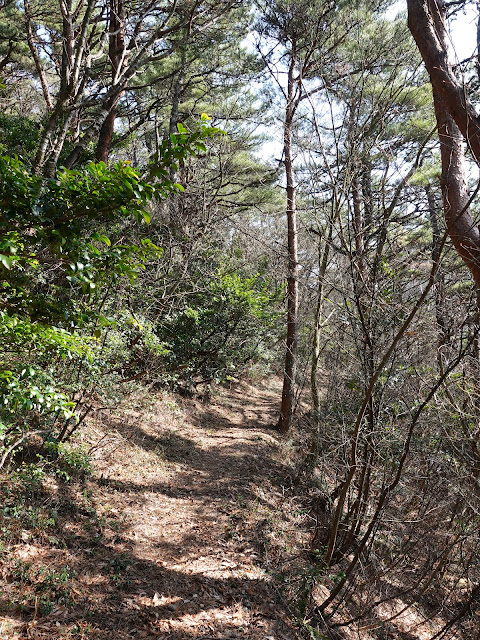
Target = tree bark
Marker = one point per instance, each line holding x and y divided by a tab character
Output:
323	255
288	392
426	21
36	57
456	121
443	323
117	55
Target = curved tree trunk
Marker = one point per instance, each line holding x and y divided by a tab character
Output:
456	121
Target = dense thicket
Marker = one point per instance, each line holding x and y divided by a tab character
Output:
143	240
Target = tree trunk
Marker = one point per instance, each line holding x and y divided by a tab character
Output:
175	203
288	393
443	323
36	58
116	53
323	256
456	120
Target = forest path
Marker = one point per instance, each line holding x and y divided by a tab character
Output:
175	550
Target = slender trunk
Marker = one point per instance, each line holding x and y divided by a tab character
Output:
36	58
367	197
323	256
354	441
441	316
57	126
174	204
68	44
177	93
288	392
51	165
46	142
362	278
358	229
461	227
116	52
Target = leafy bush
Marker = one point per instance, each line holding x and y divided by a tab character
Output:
57	266
71	461
19	135
229	322
50	586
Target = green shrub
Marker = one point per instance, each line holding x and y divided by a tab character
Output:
228	323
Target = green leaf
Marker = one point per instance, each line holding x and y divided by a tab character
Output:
6	261
105	240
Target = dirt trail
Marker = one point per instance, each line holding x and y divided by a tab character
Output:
174	550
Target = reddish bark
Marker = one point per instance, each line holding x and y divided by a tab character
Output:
426	23
116	53
456	121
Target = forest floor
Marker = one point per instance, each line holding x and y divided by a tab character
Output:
175	534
